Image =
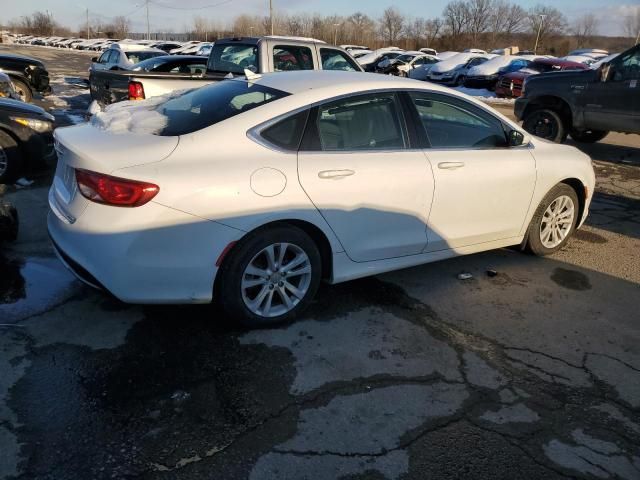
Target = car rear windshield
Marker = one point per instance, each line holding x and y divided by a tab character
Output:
137	57
543	67
206	106
233	58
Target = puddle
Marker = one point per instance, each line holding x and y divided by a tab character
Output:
32	287
571	279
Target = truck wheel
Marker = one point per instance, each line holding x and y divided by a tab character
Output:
588	136
545	123
22	89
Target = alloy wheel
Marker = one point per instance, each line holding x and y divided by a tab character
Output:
544	125
276	280
557	221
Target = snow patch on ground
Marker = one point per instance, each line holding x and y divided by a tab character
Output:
485	95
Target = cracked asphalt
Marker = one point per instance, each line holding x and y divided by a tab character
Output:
533	373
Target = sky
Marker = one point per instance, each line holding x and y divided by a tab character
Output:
71	13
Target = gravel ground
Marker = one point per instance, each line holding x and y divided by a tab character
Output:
533	373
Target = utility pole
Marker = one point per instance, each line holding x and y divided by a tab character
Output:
148	30
535	49
638	38
335	35
271	15
87	23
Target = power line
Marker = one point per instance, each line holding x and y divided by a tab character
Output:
157	4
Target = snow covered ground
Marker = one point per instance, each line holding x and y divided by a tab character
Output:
70	98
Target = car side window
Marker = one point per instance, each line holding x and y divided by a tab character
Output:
363	122
114	57
188	69
104	58
336	60
627	67
454	123
287	58
287	133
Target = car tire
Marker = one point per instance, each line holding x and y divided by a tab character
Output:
9	158
259	296
547	124
554	221
22	89
588	136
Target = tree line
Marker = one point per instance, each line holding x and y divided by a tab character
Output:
485	24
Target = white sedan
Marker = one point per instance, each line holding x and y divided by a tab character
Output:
249	192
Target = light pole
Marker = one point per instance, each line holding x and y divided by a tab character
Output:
335	35
251	31
271	15
148	29
535	49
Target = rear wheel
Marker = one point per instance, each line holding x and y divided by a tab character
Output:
271	277
588	136
554	221
547	124
22	89
9	158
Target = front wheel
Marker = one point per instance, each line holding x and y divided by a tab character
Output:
554	221
588	136
271	277
22	89
10	158
547	124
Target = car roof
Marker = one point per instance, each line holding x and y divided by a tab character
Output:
341	82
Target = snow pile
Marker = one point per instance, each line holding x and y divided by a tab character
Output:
133	116
484	95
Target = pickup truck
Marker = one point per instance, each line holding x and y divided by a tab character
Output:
585	104
230	56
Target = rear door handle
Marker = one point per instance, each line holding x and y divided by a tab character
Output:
335	174
450	165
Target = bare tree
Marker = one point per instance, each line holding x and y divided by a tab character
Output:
119	27
507	18
584	28
361	28
391	25
631	22
548	21
478	13
201	27
456	18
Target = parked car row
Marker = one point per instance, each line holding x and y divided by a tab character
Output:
101	44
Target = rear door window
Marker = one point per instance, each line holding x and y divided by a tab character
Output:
233	58
287	133
288	58
363	122
332	59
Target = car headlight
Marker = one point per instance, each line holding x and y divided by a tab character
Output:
39	126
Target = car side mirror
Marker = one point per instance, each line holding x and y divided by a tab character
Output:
94	59
517	138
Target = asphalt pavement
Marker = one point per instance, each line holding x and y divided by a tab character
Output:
532	373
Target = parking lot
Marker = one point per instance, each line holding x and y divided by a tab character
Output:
533	372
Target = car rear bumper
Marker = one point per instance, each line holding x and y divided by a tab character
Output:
169	257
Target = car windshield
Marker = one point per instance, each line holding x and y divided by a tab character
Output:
206	106
137	57
233	58
406	58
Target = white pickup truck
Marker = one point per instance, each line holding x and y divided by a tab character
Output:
228	56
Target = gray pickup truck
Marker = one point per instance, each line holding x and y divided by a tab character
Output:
586	104
228	56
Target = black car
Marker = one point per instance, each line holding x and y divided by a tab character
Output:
173	64
27	74
26	138
586	104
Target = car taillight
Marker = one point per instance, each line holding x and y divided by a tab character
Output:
136	91
118	192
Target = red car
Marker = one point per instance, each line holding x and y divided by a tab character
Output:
510	84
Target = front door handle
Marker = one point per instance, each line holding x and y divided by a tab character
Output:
450	165
335	174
